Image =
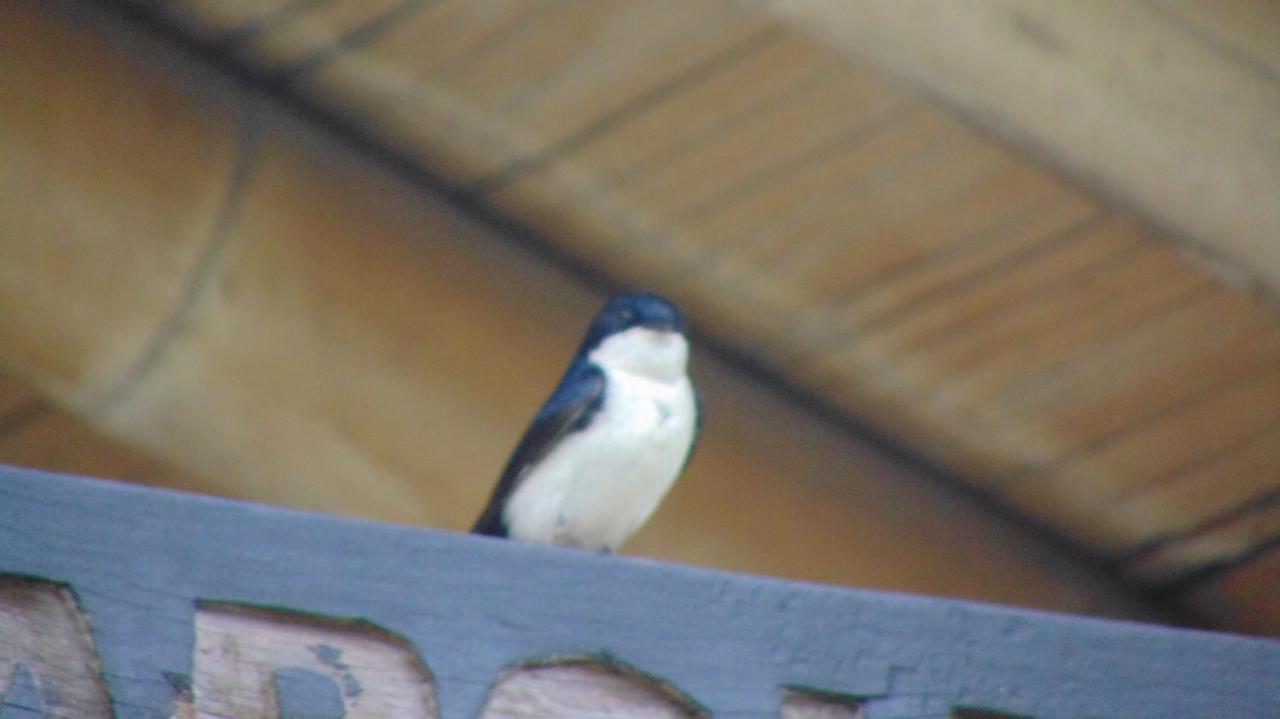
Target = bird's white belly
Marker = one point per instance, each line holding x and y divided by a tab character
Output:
600	484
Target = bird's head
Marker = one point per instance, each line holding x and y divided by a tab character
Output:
639	332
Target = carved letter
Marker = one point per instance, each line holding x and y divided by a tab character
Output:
584	688
259	663
48	666
804	704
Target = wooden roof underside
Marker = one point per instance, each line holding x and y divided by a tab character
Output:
873	247
1022	294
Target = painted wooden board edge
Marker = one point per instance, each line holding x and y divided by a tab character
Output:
144	565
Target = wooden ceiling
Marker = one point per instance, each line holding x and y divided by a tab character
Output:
1017	292
866	242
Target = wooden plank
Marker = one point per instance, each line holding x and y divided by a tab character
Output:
822	218
878	230
540	76
1078	254
1220	422
191	602
1126	96
942	352
1246	586
1202	432
711	176
1004	342
1224	542
183	148
52	438
59	441
1218	337
1216	487
18	403
45	617
1026	228
1244	30
309	35
782	69
687	227
360	346
580	690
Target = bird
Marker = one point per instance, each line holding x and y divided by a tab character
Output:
612	438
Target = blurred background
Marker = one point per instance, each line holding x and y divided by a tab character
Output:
983	292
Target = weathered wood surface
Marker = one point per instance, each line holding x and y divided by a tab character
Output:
1131	96
200	607
333	335
812	212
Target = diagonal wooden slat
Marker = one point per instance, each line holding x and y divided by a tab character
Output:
837	227
368	620
1127	96
349	339
792	206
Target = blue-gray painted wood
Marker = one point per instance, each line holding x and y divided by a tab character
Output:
138	560
304	694
21	698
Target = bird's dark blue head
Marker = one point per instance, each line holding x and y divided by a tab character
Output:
635	309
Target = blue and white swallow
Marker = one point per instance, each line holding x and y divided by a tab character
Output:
610	441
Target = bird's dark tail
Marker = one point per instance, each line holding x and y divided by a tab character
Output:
490	523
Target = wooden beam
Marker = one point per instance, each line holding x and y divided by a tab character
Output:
333	335
866	245
1169	106
183	606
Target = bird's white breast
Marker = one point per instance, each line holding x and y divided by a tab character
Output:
601	483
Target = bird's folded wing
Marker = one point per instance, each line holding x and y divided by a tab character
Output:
575	400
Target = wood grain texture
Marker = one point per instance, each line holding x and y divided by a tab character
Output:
181	148
808	705
1242	30
513	83
581	690
238	649
1235	538
43	634
39	433
470	608
360	346
824	220
1076	84
913	273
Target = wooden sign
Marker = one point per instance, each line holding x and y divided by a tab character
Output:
120	601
